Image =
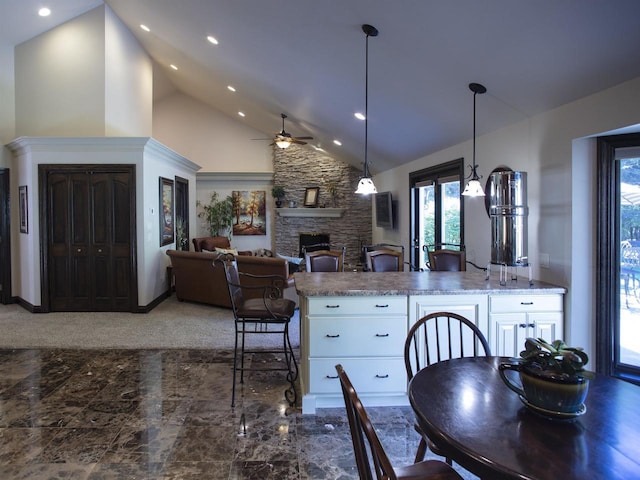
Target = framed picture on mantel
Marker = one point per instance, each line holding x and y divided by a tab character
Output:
311	197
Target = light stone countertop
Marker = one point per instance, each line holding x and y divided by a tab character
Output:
415	283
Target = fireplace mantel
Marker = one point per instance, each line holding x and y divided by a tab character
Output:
310	212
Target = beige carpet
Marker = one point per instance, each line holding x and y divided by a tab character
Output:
171	324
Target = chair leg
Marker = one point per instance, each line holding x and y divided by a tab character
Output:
242	354
290	393
422	451
235	368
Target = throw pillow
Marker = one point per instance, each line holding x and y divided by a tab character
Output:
232	251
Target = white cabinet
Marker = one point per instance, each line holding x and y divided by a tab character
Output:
366	335
473	307
513	318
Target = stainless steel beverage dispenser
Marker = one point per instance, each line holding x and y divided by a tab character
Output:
508	212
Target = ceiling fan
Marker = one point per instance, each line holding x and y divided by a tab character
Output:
284	139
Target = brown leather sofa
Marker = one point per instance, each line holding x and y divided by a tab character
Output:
198	279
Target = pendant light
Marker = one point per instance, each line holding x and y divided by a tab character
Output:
473	188
365	185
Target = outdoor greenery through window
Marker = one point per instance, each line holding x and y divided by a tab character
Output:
437	209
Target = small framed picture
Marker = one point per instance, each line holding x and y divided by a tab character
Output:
24	209
167	219
311	197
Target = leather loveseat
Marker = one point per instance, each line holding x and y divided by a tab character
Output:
198	279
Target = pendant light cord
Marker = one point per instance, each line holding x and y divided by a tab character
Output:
366	107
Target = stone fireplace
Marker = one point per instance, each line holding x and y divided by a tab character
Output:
341	214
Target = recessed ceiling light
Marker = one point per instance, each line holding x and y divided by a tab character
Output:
231	88
359	116
241	114
44	12
212	39
173	66
145	28
338	142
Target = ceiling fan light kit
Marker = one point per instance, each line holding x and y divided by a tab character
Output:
366	185
474	188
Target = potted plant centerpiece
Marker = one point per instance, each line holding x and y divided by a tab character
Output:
554	381
278	193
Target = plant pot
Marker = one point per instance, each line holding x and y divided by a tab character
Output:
551	394
278	203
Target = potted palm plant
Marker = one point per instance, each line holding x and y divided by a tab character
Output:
553	377
218	214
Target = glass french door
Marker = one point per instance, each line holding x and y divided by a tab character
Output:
618	321
436	208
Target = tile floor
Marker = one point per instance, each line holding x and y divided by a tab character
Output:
165	414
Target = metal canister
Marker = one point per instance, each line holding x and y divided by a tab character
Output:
508	211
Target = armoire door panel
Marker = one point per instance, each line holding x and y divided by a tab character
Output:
90	259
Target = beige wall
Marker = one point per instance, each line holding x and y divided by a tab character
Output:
87	77
555	150
209	138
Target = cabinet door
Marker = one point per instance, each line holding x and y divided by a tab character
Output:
473	307
510	330
547	325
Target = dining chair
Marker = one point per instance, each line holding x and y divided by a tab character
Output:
325	260
446	257
268	314
362	430
436	337
384	257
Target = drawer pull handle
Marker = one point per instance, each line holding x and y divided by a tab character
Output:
532	325
382	376
523	325
382	306
382	334
526	303
333	336
332	306
332	376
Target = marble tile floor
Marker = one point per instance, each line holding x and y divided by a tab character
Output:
166	414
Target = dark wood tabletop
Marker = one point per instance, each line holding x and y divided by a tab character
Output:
471	415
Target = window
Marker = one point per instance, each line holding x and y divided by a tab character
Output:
437	211
618	328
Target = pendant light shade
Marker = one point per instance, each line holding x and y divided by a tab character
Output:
365	185
474	188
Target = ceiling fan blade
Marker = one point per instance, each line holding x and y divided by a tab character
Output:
298	141
304	138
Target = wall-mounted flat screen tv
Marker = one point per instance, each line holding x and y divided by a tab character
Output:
384	210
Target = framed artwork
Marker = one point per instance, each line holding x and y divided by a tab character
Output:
167	212
24	209
311	196
249	212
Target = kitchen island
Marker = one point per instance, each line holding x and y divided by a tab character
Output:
361	319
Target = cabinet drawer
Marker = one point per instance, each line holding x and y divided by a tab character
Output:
525	303
363	305
339	336
368	375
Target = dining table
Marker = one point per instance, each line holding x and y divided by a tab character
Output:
468	412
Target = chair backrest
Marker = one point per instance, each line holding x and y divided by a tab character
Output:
232	276
315	247
362	431
325	260
447	258
385	261
440	336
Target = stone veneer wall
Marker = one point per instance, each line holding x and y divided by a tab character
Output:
297	168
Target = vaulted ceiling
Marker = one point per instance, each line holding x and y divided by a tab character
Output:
306	59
